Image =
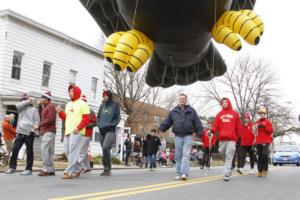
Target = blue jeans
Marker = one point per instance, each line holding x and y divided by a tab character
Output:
152	160
183	146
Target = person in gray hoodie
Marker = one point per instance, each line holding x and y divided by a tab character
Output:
28	122
107	120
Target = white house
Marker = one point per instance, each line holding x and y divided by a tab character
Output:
35	58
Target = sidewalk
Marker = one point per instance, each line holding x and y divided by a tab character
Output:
60	166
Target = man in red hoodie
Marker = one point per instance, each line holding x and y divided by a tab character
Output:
87	137
247	143
263	129
76	116
208	140
228	124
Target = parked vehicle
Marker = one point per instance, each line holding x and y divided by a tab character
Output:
286	154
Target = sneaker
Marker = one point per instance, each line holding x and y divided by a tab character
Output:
226	178
43	173
259	174
264	173
240	170
176	178
51	173
106	173
26	172
183	177
10	171
67	176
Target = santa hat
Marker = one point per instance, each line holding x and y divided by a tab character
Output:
47	95
24	97
83	98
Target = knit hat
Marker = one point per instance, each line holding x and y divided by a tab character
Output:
83	98
47	95
105	93
24	97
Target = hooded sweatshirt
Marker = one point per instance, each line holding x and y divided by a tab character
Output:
247	137
227	123
264	131
109	115
28	117
77	113
205	139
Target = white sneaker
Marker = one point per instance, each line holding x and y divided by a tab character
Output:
240	170
183	177
226	178
26	172
251	171
176	178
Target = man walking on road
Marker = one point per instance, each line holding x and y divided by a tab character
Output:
263	130
9	133
184	121
228	124
247	142
28	123
107	120
47	131
76	116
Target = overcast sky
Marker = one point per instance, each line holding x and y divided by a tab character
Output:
279	45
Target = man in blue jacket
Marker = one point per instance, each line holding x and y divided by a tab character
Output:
107	120
184	121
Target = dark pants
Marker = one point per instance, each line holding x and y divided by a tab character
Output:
152	160
107	140
128	152
244	151
237	155
263	157
19	141
206	157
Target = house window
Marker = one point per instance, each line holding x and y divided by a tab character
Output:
155	121
46	74
94	86
72	76
16	65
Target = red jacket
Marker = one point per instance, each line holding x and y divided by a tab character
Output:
247	137
227	123
48	119
264	132
92	123
205	139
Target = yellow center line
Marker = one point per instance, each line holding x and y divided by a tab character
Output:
147	188
134	188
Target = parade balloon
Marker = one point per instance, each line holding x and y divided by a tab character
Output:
175	35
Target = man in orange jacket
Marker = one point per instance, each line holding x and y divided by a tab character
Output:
9	133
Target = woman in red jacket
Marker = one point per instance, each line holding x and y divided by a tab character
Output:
247	143
208	140
263	129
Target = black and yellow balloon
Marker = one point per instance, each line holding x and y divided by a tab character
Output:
128	50
244	22
181	32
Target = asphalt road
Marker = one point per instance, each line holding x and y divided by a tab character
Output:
282	183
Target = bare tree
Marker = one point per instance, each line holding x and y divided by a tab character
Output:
251	84
130	88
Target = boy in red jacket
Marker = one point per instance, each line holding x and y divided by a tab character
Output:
228	124
208	140
247	143
263	129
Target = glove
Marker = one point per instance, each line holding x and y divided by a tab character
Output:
261	126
